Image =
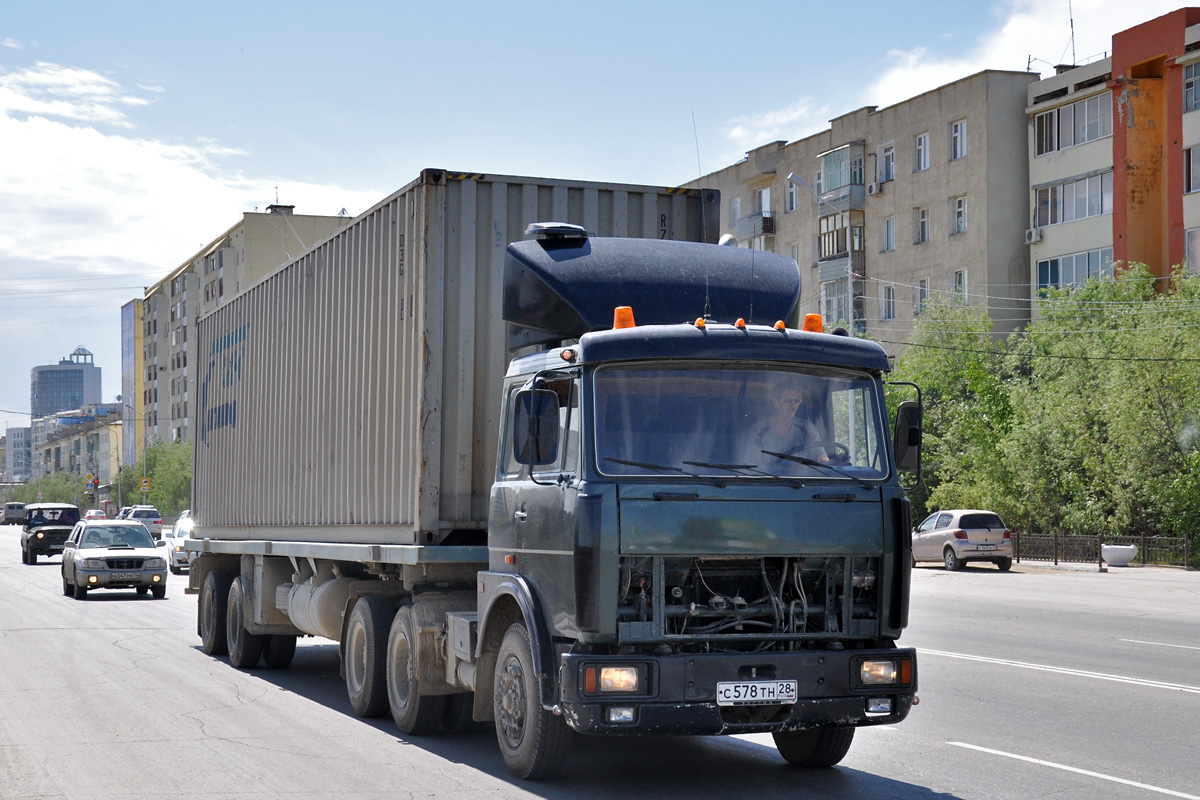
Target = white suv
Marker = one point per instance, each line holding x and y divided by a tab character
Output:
148	516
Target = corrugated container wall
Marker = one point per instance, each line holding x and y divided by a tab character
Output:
353	395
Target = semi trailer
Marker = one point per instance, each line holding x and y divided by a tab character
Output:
564	478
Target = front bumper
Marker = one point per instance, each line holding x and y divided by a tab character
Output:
120	579
46	546
680	693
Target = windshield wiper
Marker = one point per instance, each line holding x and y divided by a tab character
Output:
754	468
645	465
812	462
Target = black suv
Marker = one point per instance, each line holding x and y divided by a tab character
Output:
47	526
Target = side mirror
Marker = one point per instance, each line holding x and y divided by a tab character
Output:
160	543
536	427
907	437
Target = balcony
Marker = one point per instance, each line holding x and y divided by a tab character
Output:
754	225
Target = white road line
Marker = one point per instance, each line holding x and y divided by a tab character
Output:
1178	687
1077	770
1159	644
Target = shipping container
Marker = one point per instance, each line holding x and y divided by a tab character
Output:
351	396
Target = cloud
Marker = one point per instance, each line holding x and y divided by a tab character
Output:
11	43
793	122
63	92
1028	33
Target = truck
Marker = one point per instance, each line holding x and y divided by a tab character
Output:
507	441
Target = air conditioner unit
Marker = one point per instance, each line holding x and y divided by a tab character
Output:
1033	236
874	188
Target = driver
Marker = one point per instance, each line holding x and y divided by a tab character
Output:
785	430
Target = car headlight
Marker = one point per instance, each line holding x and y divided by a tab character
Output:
94	563
155	563
41	535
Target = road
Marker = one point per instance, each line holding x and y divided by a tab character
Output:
1034	683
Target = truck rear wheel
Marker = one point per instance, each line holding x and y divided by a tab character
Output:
366	656
415	713
823	747
279	650
245	648
533	741
211	610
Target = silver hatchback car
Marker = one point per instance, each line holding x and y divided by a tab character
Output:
958	536
113	554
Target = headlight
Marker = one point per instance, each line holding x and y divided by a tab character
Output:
625	679
94	563
41	535
155	563
876	673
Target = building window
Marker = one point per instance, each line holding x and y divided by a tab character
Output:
735	209
1077	123
958	139
889	234
887	303
1191	87
958	209
762	202
920	296
960	286
1074	269
921	155
1078	199
834	229
820	182
887	169
1192	240
790	198
1191	169
920	225
796	253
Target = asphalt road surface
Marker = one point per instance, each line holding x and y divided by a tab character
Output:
1034	683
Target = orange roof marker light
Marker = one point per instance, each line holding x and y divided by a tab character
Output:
699	322
813	323
741	323
623	318
779	326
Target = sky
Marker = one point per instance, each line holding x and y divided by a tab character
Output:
134	132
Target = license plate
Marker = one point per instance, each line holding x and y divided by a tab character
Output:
755	693
126	576
985	547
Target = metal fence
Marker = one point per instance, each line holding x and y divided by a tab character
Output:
1171	551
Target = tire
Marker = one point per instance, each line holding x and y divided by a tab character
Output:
1004	564
458	716
953	562
68	589
80	591
211	611
814	749
415	713
366	656
176	570
159	592
141	590
245	648
533	741
279	650
25	555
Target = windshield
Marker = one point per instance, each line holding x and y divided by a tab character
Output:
732	421
116	536
53	516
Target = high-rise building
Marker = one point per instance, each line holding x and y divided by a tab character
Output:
18	455
71	383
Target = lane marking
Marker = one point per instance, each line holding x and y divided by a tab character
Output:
1077	771
1159	644
1178	687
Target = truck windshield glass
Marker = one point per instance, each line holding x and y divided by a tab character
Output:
736	422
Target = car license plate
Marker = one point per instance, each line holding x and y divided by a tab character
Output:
985	547
127	576
755	693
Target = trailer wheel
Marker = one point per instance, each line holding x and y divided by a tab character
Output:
366	656
279	650
823	747
533	741
211	610
245	648
415	713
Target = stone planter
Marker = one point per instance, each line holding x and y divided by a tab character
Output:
1118	555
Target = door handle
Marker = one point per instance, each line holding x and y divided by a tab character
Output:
520	516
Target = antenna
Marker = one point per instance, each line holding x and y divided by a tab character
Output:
1071	14
276	195
699	170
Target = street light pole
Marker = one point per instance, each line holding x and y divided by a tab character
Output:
794	178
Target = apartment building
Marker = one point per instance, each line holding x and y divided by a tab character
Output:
890	207
159	358
1115	158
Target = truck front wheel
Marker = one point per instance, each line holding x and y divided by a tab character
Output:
366	656
814	749
245	648
213	605
414	712
533	741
